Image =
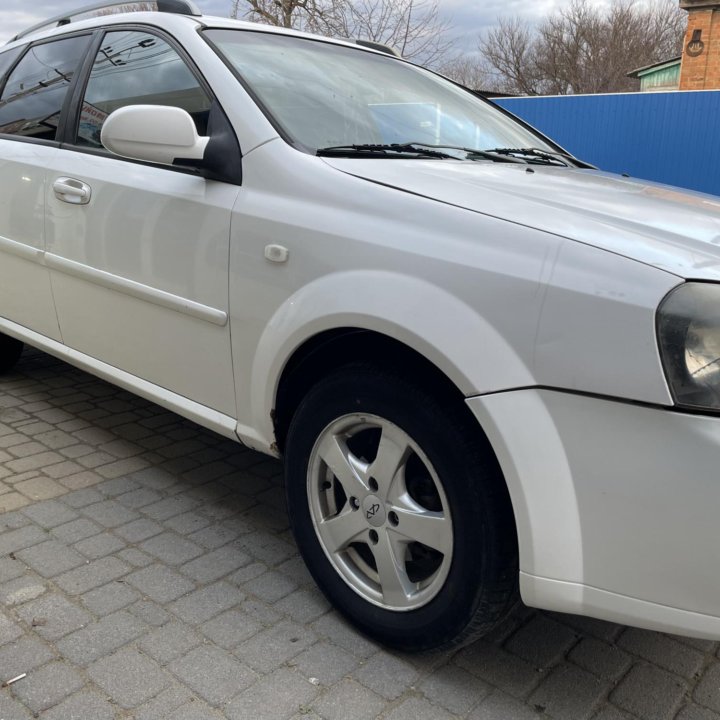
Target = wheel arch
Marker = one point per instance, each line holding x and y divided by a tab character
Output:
322	353
420	319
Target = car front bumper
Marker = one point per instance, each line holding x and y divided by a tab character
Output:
617	506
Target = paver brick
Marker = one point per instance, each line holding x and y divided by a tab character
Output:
138	530
50	513
53	616
51	558
500	706
129	677
163	705
22	589
40	488
150	612
304	606
22	450
203	604
275	697
9	631
171	548
91	575
135	557
662	650
569	693
386	675
604	660
168	507
101	638
82	498
332	627
110	514
12	501
215	564
271	586
707	692
48	685
212	673
348	700
34	462
275	646
454	689
415	708
230	628
21	538
12	520
100	545
325	662
499	668
188	522
85	705
11	709
109	598
542	642
693	712
169	642
76	530
80	480
138	498
649	693
160	583
24	655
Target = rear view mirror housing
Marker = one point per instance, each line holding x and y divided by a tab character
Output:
154	133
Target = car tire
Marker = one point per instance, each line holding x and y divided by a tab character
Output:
10	351
375	464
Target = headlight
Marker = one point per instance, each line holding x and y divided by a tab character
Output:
689	339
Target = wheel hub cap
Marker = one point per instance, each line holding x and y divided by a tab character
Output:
374	510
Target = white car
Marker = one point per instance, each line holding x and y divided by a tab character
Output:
488	366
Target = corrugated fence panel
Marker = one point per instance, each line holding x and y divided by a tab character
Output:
669	137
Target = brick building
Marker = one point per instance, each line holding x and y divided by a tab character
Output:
701	50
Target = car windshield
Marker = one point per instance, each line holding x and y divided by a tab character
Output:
323	95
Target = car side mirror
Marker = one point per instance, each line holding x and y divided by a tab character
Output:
154	133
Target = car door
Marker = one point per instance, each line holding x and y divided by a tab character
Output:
35	82
139	252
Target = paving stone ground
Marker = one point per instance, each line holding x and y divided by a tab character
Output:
147	571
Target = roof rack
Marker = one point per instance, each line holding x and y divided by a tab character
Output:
182	7
374	45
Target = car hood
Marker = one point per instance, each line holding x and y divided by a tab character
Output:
674	230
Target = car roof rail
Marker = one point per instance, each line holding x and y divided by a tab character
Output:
374	45
182	7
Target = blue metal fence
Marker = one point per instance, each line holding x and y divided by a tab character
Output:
670	137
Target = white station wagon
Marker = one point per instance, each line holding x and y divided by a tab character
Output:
489	367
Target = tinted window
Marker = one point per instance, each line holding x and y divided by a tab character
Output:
136	68
6	60
35	91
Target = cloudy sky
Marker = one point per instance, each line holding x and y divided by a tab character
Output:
468	17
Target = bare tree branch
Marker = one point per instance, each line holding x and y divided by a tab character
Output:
583	48
413	27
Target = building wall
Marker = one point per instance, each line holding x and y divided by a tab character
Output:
669	137
703	71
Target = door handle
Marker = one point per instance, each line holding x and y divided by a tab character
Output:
72	191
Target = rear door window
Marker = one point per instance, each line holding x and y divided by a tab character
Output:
36	89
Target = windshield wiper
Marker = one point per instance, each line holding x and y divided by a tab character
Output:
418	149
538	155
383	150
